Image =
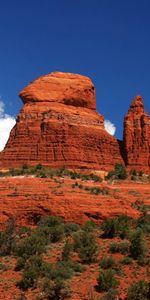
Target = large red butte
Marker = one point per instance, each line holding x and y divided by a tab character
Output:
58	126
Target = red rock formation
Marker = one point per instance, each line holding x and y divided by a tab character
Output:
137	136
59	126
58	87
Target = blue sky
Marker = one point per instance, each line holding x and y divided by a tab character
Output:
108	40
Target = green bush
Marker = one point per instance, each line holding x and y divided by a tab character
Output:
67	251
126	260
144	221
89	226
139	291
32	270
62	270
118	173
56	233
76	267
117	226
109	226
31	245
69	228
20	263
85	243
7	238
108	262
52	228
55	289
138	246
111	295
28	280
51	234
119	247
24	231
106	280
50	221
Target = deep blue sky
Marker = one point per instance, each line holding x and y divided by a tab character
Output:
108	40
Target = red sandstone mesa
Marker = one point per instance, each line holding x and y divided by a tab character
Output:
58	126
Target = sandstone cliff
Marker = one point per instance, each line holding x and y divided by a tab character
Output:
59	126
137	136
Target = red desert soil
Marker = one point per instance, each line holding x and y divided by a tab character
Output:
26	198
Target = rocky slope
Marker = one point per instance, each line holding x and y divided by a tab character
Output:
59	126
27	199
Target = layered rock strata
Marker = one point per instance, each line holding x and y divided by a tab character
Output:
59	126
137	136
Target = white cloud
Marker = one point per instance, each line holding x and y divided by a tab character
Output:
6	124
110	127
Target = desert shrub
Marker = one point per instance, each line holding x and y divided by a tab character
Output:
138	204
144	222
106	280
3	267
108	262
44	232
124	226
85	243
97	190
144	261
133	172
118	173
69	228
33	268
77	185
20	263
112	294
133	177
6	241
24	231
62	270
51	234
55	289
28	280
31	245
7	238
50	221
137	247
74	175
126	260
139	291
56	233
95	178
52	228
76	267
38	167
118	226
67	251
89	226
109	226
119	247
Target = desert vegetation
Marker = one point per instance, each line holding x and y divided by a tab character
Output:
50	256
